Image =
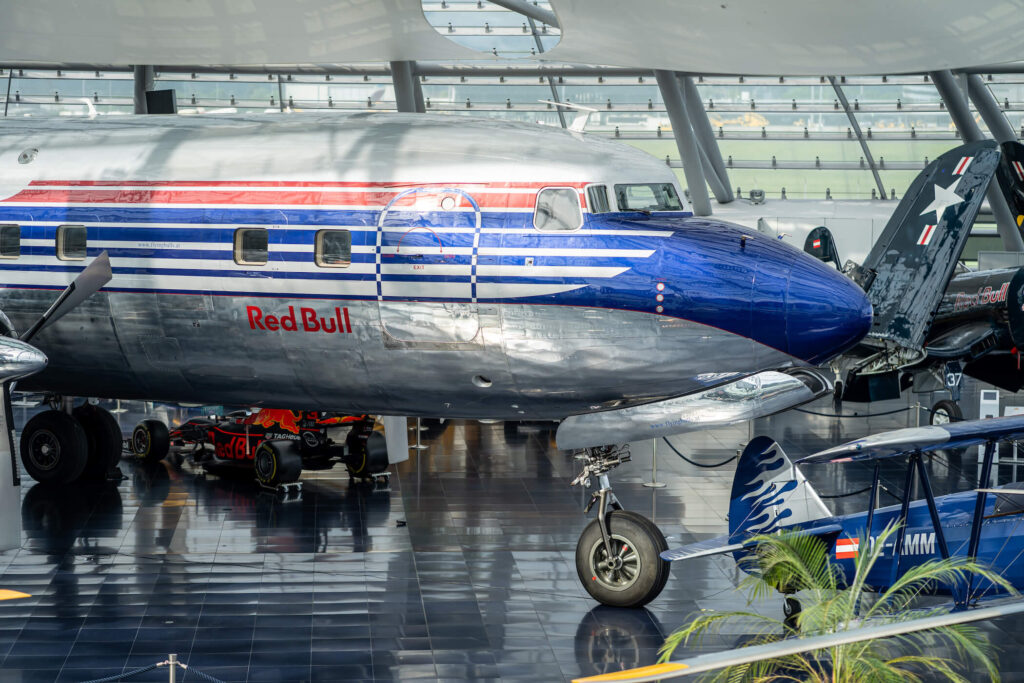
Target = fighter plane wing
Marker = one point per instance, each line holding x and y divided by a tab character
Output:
922	439
790	646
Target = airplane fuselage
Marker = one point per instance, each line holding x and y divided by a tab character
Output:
392	264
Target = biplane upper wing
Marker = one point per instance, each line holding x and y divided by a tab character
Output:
790	646
922	440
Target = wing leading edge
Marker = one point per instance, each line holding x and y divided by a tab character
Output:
922	440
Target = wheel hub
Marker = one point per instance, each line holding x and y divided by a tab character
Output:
44	449
618	571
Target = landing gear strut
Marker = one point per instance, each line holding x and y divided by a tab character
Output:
618	554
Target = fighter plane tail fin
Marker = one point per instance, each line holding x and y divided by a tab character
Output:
907	270
769	492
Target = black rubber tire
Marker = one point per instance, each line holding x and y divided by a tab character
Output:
366	457
277	462
54	448
104	437
623	589
666	567
791	611
151	441
949	409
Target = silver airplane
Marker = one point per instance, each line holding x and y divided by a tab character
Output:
405	265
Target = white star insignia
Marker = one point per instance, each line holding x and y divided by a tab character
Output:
944	198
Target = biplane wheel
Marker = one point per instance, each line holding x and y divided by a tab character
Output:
277	462
151	441
634	574
791	609
944	412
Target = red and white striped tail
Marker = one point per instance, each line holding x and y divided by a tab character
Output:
962	166
926	236
846	548
1019	169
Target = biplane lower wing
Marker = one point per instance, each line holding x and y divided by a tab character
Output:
722	544
796	645
922	440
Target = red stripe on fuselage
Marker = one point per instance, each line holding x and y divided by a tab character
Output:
392	186
271	198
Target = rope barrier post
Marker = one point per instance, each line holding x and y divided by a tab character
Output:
172	673
654	483
419	446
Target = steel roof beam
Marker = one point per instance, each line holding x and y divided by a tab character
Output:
959	110
530	10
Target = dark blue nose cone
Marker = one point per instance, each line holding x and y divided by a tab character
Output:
826	313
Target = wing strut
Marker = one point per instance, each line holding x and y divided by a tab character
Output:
959	597
979	508
897	552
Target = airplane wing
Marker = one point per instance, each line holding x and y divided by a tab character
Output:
790	646
721	544
922	439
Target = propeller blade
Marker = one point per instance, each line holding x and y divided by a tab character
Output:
88	282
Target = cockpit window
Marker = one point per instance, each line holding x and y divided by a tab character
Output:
647	197
558	208
597	199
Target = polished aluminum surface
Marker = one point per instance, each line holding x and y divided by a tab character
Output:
760	395
19	359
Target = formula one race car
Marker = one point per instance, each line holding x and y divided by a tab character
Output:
275	444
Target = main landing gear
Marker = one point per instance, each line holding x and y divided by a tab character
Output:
60	447
618	554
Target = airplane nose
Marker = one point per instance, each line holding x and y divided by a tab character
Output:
826	312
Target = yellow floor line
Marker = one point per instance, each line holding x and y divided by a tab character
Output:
6	594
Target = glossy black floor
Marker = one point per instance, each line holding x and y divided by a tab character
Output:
461	569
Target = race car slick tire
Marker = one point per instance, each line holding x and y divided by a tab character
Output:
367	457
104	438
54	448
639	573
151	441
277	462
944	412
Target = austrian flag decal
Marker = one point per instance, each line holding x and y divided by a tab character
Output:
846	548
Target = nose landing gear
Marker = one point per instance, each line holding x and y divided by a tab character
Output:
618	554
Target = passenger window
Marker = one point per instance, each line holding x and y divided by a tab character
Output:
333	248
10	241
71	242
251	246
558	208
597	198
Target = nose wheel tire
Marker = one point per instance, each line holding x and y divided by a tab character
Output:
54	448
944	412
277	462
151	441
633	574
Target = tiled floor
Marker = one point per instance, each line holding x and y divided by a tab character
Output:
461	570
